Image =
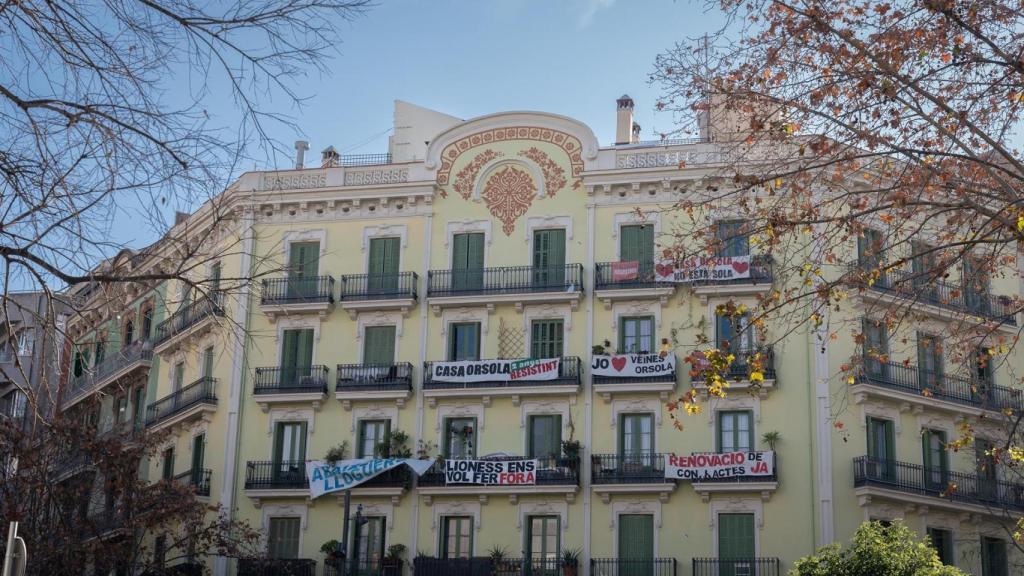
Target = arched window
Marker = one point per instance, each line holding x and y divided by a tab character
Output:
147	323
129	333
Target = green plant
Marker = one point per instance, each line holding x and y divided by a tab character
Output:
571	448
394	445
336	453
395	552
329	548
571	556
422	554
497	553
424	448
771	439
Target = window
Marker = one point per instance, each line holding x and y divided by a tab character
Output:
542	537
139	405
26	342
942	541
303	269
178	376
993	557
215	272
198	457
546	339
545	437
379	345
732	238
167	463
636	335
160	550
636	243
467	261
935	458
457	537
147	323
876	349
129	333
460	438
736	334
464	341
975	285
881	448
382	267
925	269
369	545
736	537
735	431
207	362
283	537
548	257
79	364
290	445
929	361
296	357
988	472
636	542
121	409
984	374
636	436
869	249
99	352
371	434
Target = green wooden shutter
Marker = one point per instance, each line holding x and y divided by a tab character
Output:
283	537
735	535
546	339
379	345
215	272
208	362
383	265
467	261
629	243
303	261
549	257
304	358
198	453
636	539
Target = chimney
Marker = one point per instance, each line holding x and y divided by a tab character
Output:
300	153
180	217
329	157
624	120
636	133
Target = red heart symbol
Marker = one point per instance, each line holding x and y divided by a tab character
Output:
619	362
740	267
664	270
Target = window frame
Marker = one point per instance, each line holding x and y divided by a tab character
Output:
721	416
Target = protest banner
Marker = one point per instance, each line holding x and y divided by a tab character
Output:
490	472
711	467
325	477
701	269
633	365
495	370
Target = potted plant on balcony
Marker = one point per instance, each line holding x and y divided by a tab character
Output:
423	449
571	454
570	561
392	562
771	439
336	453
498	554
333	554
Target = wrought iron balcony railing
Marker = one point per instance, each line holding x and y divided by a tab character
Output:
358	377
136	352
916	380
605	277
631	567
290	380
189	316
486	566
920	287
276	567
364	567
199	392
364	159
568	373
356	287
286	291
551	471
507	280
736	567
740	367
645	468
198	479
291	475
937	482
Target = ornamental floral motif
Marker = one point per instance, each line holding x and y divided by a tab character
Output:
466	177
508	195
554	175
570	144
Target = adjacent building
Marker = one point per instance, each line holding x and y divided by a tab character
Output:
32	343
518	236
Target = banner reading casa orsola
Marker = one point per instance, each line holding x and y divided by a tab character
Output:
495	370
699	467
325	478
491	472
633	365
700	268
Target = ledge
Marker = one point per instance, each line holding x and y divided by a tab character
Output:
483	493
607	391
609	295
273	310
485	394
266	400
706	489
347	397
662	489
438	303
916	403
201	411
354	307
866	494
172	343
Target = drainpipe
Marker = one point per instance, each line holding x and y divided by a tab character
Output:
424	334
588	424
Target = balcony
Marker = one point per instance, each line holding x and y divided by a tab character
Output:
913	483
276	567
483	566
373	382
629	281
566	382
630	567
736	567
519	285
287	384
926	389
630	474
133	360
554	476
283	296
934	297
70	462
738	373
196	401
287	479
663	384
371	292
198	479
365	567
764	485
759	281
193	320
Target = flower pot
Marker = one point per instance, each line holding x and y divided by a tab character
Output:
569	570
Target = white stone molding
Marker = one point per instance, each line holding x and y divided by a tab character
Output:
529	408
387	511
636	308
558	508
457	508
733	401
547	223
637	406
753	506
533	312
387	411
459	410
454	227
933	421
466	314
297	323
269	511
882	511
275	415
379	318
385	231
619	507
880	409
628	218
310	235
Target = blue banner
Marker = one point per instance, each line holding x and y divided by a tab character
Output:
325	478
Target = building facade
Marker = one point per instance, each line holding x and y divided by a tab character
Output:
511	236
31	346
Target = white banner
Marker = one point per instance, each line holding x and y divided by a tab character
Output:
710	467
633	365
495	370
699	269
325	478
490	472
